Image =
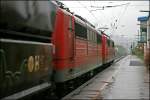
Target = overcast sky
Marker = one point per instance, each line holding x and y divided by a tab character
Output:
124	16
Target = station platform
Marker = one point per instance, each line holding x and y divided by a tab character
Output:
126	78
130	82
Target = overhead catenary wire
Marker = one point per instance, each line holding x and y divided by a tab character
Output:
114	27
88	10
117	20
121	15
103	7
94	15
114	23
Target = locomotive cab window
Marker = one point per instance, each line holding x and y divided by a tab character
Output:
88	34
91	36
113	44
70	24
108	42
80	31
99	39
95	37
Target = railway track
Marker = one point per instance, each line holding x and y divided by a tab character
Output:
92	89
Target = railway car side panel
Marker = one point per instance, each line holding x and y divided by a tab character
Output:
111	51
99	48
108	43
104	51
64	43
24	65
25	48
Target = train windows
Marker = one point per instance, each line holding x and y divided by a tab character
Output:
80	31
95	37
99	39
88	34
70	24
91	35
108	42
113	44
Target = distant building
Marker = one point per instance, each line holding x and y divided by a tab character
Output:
144	36
143	29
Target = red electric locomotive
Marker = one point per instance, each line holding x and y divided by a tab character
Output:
45	30
108	51
80	50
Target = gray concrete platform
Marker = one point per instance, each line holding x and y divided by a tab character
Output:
125	79
130	82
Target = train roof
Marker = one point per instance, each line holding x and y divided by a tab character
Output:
62	6
68	12
83	19
77	17
83	22
80	19
101	32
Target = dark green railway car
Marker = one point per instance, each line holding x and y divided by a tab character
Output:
25	67
25	48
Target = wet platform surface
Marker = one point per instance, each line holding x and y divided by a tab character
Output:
124	79
130	82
